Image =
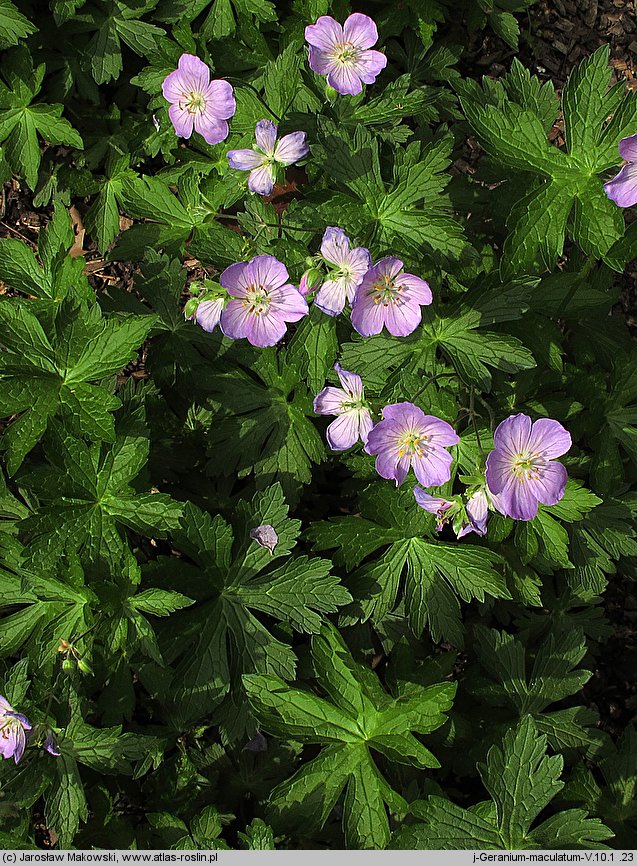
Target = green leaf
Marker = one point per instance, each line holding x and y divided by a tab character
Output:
522	780
13	25
358	714
224	638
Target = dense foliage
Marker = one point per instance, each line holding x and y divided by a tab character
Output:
222	624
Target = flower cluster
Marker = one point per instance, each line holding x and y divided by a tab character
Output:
255	299
342	53
521	470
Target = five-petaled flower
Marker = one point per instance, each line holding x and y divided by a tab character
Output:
261	301
407	437
354	420
197	102
521	470
342	52
262	162
387	297
622	189
349	268
13	731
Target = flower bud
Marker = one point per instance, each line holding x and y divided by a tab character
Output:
191	308
310	280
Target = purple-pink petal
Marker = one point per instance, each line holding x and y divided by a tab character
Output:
329	401
220	100
351	382
432	504
335	245
369	65
265	134
622	189
182	120
360	30
549	439
291	148
320	61
368	318
289	302
244	159
266	271
343	432
208	314
418	289
266	330
326	33
478	513
512	434
628	148
261	180
235	320
331	297
345	80
433	468
402	319
405	414
211	128
549	487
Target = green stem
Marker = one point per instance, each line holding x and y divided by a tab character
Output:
231	216
430	381
473	415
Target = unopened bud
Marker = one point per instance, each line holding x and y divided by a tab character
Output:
84	666
310	280
191	308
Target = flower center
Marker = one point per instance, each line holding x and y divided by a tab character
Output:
193	102
412	444
386	292
526	467
257	300
345	53
350	405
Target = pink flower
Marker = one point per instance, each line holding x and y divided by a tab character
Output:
354	419
387	297
342	53
407	437
197	102
261	301
349	268
521	470
262	162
